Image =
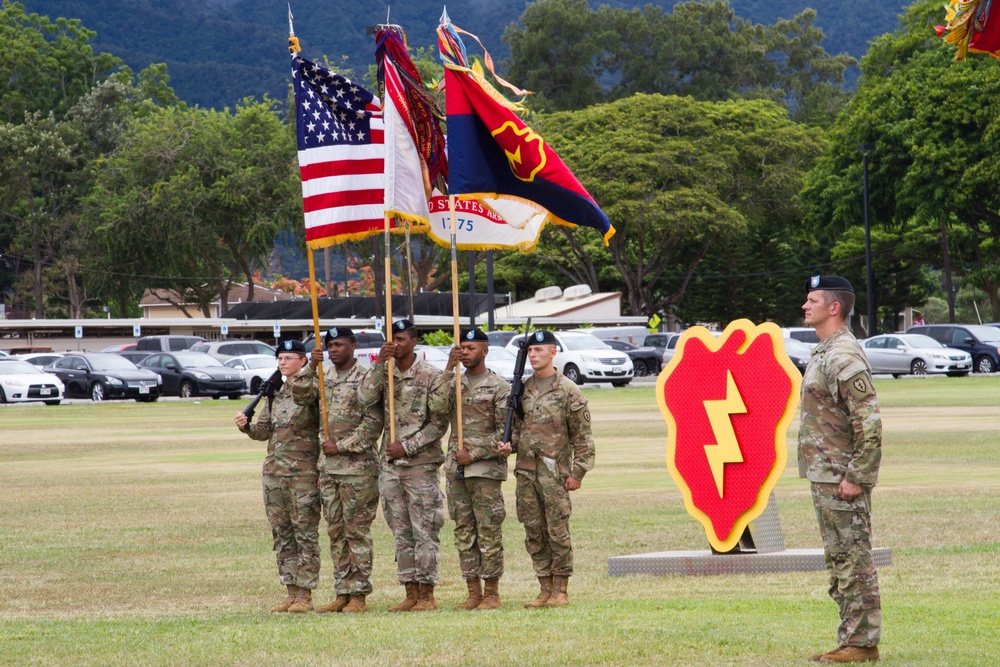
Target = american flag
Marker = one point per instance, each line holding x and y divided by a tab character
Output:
341	155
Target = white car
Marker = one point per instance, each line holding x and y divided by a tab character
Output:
498	359
254	369
39	359
585	358
914	354
21	382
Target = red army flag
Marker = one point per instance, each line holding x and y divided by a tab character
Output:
728	403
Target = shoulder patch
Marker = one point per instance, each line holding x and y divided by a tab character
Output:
586	416
860	385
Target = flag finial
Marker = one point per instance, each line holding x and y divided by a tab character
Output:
445	19
291	29
293	41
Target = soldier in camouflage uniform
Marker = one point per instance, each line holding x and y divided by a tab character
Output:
475	472
554	451
408	480
291	498
840	447
348	478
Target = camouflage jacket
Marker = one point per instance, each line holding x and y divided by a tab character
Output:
556	427
840	435
421	410
353	428
484	415
290	425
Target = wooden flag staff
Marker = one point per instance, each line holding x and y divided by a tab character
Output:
387	284
454	309
319	343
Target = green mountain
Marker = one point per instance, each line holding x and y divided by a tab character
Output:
219	51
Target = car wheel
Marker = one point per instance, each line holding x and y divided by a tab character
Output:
53	402
641	370
896	375
187	389
918	367
3	396
97	392
620	384
255	385
146	399
572	374
985	365
234	397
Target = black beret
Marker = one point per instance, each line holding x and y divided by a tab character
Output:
542	338
475	335
295	346
835	283
337	332
402	325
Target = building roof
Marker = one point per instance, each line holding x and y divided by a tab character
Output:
237	294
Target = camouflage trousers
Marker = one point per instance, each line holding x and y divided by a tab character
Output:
293	507
413	506
544	507
846	528
349	506
476	506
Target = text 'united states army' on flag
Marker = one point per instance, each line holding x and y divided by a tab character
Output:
341	155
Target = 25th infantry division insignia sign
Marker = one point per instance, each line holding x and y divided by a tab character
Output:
728	402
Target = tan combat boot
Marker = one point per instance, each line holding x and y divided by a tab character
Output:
303	602
425	600
559	597
336	606
411	597
849	654
543	597
283	606
491	595
475	595
357	605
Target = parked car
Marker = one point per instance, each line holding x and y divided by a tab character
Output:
645	360
40	359
635	334
103	375
226	349
121	347
980	341
188	374
133	356
798	352
585	358
254	369
435	356
166	343
502	361
368	342
500	338
21	381
914	354
666	343
805	335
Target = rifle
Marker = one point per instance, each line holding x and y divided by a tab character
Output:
517	387
267	388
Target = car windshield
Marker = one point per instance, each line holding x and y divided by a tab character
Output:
432	353
196	360
500	354
262	363
985	334
111	362
795	347
919	340
587	342
18	368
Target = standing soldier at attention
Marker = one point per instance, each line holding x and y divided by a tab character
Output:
475	473
348	477
408	481
840	448
291	498
554	451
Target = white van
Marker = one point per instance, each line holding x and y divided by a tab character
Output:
628	334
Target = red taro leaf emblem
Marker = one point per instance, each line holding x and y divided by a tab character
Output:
728	403
525	150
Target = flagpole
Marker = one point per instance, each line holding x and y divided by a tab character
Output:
316	338
387	286
454	310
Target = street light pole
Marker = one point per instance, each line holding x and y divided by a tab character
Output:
869	276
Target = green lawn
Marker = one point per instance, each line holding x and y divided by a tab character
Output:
135	535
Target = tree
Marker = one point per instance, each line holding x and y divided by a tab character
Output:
932	125
678	177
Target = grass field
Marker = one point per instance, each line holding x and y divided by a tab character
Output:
135	535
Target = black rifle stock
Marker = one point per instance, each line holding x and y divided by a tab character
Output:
267	388
517	387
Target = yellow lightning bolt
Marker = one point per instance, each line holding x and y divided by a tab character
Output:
515	157
725	449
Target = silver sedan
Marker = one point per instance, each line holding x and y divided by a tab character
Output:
914	354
